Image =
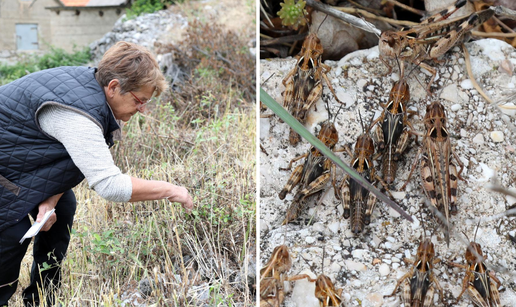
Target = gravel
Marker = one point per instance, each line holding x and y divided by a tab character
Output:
368	266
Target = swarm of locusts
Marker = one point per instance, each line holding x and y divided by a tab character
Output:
384	142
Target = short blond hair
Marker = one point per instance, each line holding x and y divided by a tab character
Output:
134	66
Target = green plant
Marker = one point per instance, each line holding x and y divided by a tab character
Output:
146	6
54	58
293	13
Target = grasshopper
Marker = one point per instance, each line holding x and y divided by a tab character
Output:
303	85
392	134
438	171
430	39
358	202
313	175
326	293
418	290
273	275
479	281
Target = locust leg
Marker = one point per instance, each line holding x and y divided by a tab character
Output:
289	89
314	187
292	181
460	164
401	145
495	296
328	68
371	202
429	297
438	286
453	188
475	296
412	169
407	275
345	196
292	161
380	140
314	95
293	211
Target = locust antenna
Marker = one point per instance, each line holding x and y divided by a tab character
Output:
319	27
335	118
478	225
323	254
361	121
422	223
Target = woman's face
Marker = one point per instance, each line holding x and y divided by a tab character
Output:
126	105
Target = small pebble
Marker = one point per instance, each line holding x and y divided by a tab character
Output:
355	266
384	269
456	107
497	136
310	240
375	299
478	139
466	84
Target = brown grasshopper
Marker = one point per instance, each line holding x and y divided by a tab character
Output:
392	133
303	85
358	202
418	290
430	39
273	275
326	293
438	171
313	175
479	281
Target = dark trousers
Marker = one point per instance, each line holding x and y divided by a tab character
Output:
49	250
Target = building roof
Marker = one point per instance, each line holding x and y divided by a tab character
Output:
75	2
90	3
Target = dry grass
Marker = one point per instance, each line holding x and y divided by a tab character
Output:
116	246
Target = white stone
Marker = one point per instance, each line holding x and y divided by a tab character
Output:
375	299
497	136
303	292
319	227
466	84
384	269
345	97
334	227
359	253
451	93
355	266
478	139
456	107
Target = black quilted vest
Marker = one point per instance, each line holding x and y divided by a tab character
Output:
34	166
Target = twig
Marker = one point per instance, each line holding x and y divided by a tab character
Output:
493	35
347	18
503	25
282	40
406	7
352	10
471	77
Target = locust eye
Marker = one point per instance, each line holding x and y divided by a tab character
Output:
391	41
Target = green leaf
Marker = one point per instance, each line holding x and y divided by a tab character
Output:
296	125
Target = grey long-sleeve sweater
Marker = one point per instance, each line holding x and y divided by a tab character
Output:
85	144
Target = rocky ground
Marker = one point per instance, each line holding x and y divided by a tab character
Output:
367	266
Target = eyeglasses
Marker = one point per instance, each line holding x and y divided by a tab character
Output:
141	104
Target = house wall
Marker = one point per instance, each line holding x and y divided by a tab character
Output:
68	28
62	30
21	11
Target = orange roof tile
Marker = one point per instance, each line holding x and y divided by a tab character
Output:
75	2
